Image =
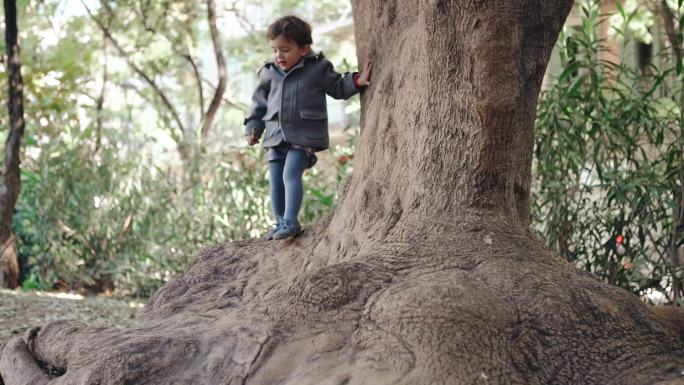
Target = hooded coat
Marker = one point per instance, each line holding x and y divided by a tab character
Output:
291	105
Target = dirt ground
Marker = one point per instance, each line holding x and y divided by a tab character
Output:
20	310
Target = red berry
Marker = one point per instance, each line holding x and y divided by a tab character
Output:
619	239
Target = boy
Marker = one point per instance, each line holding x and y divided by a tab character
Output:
289	108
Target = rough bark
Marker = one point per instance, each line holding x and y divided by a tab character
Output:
9	190
425	274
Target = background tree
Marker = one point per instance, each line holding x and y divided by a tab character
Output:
208	118
426	272
107	205
9	190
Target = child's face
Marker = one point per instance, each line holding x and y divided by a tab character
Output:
286	52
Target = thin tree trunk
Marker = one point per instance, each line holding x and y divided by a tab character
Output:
222	73
198	79
101	99
678	217
11	181
669	18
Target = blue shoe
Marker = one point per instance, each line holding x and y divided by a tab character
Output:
288	228
278	223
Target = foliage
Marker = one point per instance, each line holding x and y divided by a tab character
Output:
54	79
117	215
105	203
85	224
635	18
608	152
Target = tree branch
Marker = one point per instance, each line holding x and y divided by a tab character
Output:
101	98
142	14
244	22
138	70
198	78
221	67
231	102
668	19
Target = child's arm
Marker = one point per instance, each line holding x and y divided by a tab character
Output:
254	126
343	87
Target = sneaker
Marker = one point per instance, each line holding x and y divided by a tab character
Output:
288	228
278	223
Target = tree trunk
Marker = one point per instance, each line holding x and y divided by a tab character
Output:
208	118
9	190
425	274
99	107
451	116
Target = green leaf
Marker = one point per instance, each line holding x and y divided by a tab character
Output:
620	8
577	82
569	70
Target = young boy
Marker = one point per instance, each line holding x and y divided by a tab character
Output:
289	108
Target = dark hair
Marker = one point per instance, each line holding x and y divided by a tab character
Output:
292	28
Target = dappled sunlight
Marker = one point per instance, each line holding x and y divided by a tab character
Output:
64	296
72	296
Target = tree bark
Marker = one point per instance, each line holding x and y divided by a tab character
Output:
452	113
425	274
9	190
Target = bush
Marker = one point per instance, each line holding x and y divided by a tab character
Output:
113	221
608	151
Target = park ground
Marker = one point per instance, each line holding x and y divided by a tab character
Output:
21	310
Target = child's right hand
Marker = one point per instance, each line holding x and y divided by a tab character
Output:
364	77
252	139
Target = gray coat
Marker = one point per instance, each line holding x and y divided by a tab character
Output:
295	102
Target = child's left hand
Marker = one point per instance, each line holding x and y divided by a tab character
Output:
252	139
364	77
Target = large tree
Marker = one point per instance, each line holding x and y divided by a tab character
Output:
10	182
426	273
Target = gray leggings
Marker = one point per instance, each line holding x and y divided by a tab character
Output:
287	189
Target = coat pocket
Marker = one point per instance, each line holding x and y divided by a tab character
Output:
314	123
313	114
271	128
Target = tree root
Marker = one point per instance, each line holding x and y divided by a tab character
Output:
501	311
